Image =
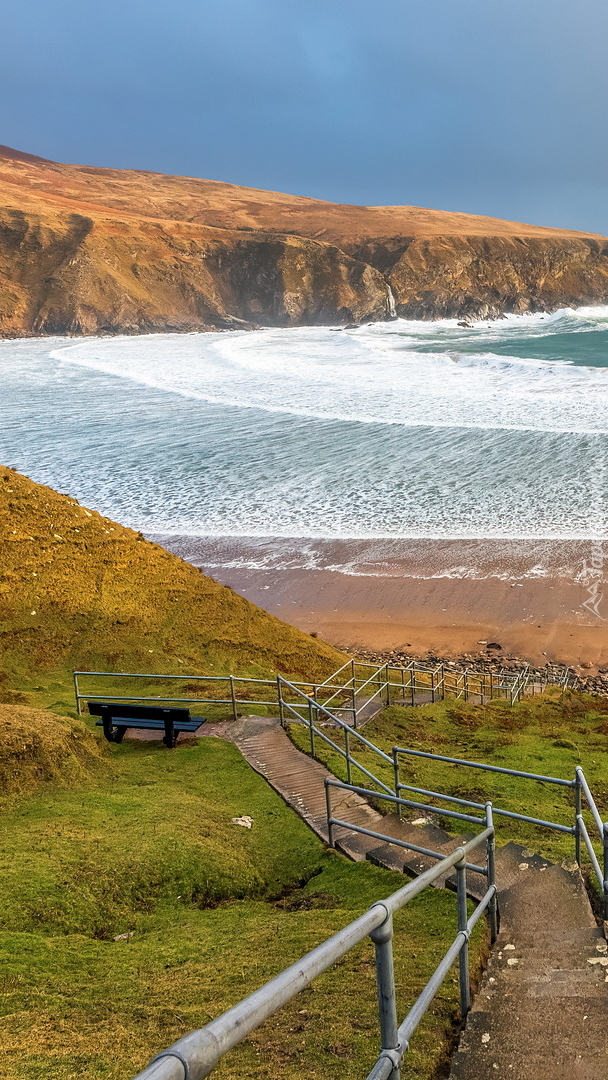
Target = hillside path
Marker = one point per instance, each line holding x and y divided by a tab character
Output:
542	1008
300	780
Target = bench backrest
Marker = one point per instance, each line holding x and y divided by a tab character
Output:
136	712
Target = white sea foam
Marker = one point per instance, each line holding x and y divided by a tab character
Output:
400	429
372	374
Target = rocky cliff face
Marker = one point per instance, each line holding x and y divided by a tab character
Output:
75	274
90	251
485	276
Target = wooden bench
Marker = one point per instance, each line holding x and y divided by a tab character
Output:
116	718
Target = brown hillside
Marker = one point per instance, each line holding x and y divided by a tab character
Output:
90	250
79	590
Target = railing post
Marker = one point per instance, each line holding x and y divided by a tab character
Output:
233	696
382	938
605	869
77	694
311	728
433	687
388	687
354	706
347	749
330	828
463	956
413	684
491	863
578	810
396	781
280	701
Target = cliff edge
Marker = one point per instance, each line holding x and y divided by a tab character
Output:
92	251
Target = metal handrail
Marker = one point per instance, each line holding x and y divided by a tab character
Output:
601	873
196	1055
315	730
570	830
480	765
442	684
579	785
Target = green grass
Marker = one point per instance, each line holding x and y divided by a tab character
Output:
212	909
547	735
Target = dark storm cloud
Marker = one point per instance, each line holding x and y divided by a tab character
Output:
472	105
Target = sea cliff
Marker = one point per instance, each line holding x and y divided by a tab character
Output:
102	251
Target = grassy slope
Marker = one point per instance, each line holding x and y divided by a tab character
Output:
147	848
547	735
79	590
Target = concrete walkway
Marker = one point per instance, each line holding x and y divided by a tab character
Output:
541	1012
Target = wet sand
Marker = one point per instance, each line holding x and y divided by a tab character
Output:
423	596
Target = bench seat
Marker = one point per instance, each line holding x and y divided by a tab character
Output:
116	718
156	725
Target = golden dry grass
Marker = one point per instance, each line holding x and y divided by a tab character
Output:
79	590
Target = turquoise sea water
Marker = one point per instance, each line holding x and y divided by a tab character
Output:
395	430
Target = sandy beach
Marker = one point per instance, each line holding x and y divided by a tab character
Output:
536	599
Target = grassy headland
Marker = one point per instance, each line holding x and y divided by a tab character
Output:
78	590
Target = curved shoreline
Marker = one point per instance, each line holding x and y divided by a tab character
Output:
548	618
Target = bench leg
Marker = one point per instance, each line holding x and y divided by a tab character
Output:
108	728
169	738
119	734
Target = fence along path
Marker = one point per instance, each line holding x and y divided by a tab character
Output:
542	1007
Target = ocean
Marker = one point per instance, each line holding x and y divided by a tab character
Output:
271	447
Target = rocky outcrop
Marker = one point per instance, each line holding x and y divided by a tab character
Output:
486	276
95	251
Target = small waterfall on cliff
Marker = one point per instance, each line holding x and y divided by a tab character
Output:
392	310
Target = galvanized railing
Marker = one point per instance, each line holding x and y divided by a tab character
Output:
312	719
578	785
196	1055
317	715
355	691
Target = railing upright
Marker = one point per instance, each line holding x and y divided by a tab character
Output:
311	726
463	956
578	810
396	776
382	938
330	823
280	701
235	714
605	868
347	749
491	863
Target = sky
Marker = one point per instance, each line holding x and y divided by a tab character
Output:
478	106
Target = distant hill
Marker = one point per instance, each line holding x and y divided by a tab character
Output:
79	590
89	250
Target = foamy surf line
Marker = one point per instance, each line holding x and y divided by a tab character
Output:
403	373
424	560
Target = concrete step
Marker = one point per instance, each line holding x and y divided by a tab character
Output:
542	1008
